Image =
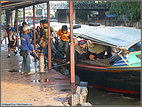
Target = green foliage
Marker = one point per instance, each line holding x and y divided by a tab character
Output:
131	10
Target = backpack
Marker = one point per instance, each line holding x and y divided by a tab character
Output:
13	38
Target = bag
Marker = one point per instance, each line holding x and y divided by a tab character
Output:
23	52
43	43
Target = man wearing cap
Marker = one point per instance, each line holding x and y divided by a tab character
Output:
26	46
96	51
22	32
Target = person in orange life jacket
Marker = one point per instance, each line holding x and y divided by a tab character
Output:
65	38
26	46
12	42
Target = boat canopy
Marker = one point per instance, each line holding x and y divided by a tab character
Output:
119	37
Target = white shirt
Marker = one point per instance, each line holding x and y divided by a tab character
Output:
10	37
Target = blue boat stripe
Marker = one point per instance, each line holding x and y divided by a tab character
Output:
120	61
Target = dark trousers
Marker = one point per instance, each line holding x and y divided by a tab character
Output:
100	55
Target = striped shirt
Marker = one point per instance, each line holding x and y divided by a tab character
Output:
64	37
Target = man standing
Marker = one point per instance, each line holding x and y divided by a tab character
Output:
53	48
22	32
26	47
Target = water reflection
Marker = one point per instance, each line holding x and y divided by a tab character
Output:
99	97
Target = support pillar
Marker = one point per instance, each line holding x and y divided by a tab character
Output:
34	29
17	28
7	17
24	14
41	62
72	62
49	39
11	18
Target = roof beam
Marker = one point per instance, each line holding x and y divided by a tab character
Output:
18	5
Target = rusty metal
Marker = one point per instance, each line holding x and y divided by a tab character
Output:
72	62
24	14
17	28
34	29
5	37
11	18
41	62
49	39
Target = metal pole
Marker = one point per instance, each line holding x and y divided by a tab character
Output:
49	39
17	28
72	64
5	37
24	14
34	29
11	18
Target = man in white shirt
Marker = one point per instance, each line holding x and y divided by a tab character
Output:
12	42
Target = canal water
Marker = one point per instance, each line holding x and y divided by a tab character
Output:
100	97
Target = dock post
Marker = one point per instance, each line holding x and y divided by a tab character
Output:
72	62
24	14
41	62
11	18
5	36
49	38
17	27
34	30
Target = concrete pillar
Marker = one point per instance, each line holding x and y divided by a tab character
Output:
41	62
13	17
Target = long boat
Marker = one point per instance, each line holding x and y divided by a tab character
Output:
121	76
118	73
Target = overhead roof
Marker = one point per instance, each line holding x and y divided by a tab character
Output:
18	4
120	37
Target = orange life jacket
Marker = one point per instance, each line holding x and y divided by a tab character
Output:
64	37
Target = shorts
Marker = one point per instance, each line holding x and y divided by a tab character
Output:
11	44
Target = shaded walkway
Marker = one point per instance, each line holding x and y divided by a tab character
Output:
40	89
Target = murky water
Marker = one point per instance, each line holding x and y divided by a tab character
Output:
99	97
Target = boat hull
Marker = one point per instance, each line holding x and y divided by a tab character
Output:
124	80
